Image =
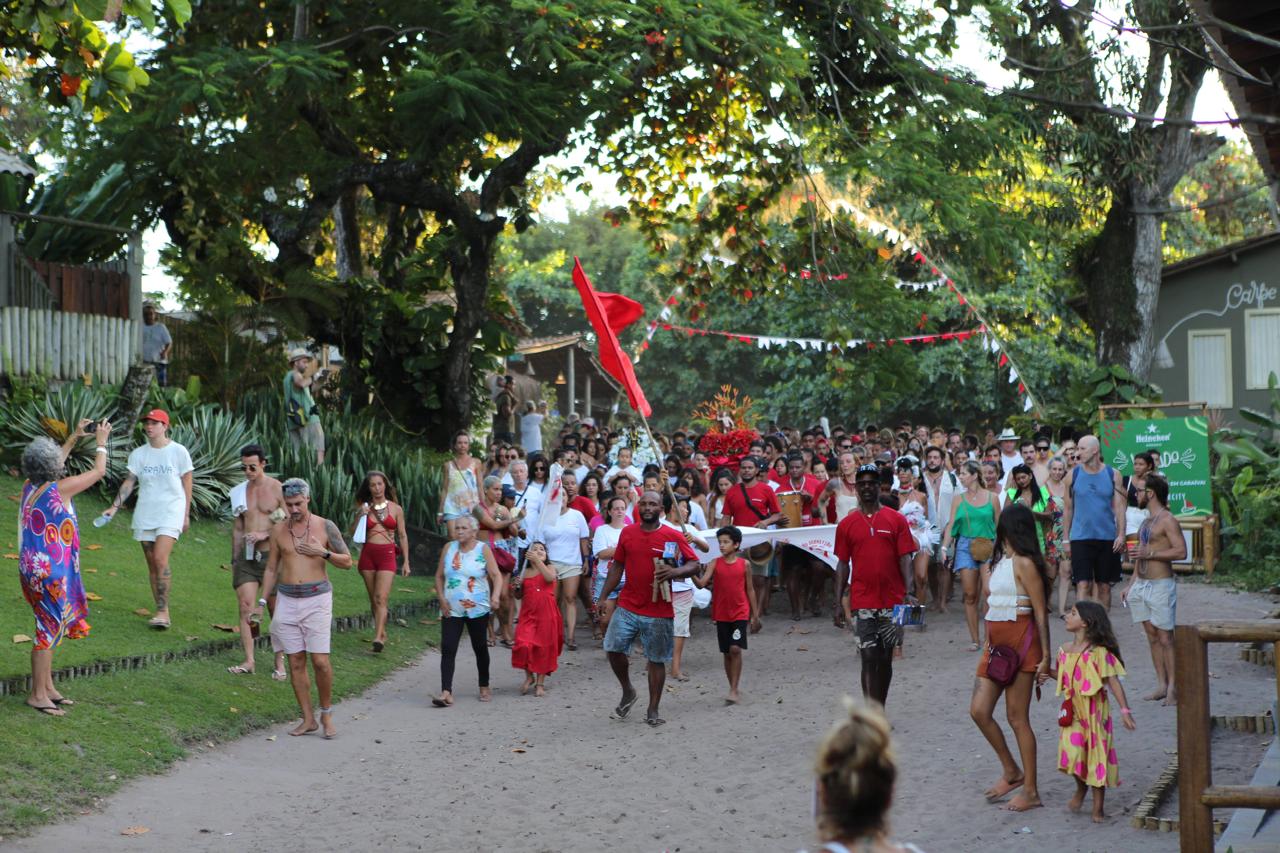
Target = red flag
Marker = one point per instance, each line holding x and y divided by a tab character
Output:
622	311
602	320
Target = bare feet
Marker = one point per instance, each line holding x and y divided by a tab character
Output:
1076	801
1099	817
680	676
1002	787
1170	700
1023	802
330	731
528	682
539	691
732	698
1158	693
304	728
485	694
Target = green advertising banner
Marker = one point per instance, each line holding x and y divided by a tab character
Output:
1182	446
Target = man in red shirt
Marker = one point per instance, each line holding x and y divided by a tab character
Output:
874	546
639	614
799	566
753	503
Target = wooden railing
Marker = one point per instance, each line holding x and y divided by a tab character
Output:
20	285
1197	795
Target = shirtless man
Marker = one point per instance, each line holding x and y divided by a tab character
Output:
300	548
261	506
1152	593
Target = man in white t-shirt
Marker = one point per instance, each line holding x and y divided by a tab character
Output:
531	428
161	469
1009	455
529	498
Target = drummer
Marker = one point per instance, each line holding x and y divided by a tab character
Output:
798	498
752	503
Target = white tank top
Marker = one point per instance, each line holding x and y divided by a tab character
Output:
845	504
1003	598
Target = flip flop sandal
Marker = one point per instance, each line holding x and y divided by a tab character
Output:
238	669
64	701
159	624
48	710
377	647
440	703
624	708
279	675
654	722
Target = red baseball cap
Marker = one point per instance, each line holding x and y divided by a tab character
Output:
157	415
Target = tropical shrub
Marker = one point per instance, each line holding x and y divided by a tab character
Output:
213	437
55	413
1247	482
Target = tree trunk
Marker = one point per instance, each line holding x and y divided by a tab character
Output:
470	269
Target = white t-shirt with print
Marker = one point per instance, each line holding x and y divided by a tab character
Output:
162	502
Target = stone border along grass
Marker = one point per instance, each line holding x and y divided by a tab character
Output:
1144	815
22	683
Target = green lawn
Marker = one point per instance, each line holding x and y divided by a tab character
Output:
129	723
112	566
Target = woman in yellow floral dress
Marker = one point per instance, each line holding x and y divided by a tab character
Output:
1087	669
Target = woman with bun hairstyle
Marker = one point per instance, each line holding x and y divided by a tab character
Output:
856	770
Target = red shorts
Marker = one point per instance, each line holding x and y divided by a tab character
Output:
378	557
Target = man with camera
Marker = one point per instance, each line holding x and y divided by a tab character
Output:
301	412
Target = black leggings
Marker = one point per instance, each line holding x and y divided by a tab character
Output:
451	630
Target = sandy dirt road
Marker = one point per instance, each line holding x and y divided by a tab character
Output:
404	776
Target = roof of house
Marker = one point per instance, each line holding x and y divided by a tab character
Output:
1258	58
1230	251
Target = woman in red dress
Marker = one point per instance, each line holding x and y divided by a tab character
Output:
540	631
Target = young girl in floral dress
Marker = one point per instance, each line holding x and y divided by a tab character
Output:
1087	669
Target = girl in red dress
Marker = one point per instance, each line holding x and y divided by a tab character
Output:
540	631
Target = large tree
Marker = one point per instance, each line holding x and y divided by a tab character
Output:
361	159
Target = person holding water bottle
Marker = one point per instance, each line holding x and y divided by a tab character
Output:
161	469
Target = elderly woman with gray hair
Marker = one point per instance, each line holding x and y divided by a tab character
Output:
49	554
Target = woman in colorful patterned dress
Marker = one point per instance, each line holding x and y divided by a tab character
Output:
1056	556
49	554
1087	668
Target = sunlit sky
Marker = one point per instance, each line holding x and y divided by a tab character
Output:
974	54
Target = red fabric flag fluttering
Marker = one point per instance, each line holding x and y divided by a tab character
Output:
610	313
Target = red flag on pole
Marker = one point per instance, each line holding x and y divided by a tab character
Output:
609	313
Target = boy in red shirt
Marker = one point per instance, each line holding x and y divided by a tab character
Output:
874	547
638	615
733	607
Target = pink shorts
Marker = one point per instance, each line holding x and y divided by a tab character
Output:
302	624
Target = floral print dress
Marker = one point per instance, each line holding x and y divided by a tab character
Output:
49	565
1085	748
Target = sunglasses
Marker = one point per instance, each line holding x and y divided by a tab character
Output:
1042	448
248	467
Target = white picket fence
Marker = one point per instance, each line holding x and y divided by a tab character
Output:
61	346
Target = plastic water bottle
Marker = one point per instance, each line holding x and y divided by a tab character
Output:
102	520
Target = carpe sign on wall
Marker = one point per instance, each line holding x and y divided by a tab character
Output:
1182	446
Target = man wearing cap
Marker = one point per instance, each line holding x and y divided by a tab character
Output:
161	469
301	413
156	344
874	547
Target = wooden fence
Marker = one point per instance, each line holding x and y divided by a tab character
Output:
62	346
97	289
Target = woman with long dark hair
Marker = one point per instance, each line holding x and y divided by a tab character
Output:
722	481
1017	618
385	533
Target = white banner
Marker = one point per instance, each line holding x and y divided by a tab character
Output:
819	540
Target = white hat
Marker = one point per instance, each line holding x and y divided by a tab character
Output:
297	353
1007	435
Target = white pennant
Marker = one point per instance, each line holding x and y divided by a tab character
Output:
1026	405
1013	375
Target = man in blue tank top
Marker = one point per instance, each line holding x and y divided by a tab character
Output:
1094	519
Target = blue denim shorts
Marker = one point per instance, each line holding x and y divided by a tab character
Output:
597	587
964	560
656	634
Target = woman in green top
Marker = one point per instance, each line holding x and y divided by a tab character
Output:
973	516
1032	495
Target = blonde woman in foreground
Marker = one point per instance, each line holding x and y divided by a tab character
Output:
856	770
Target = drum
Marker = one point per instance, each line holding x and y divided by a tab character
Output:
760	553
792	506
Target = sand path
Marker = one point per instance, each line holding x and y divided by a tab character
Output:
404	776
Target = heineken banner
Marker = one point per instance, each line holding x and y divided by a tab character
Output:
1181	445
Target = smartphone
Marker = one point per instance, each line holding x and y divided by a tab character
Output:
91	427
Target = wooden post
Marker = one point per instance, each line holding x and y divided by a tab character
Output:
1195	771
571	384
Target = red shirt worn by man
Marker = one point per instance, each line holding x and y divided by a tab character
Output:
873	547
763	503
636	550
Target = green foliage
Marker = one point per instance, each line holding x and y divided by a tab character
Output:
58	412
355	443
1087	390
1227	197
73	62
213	436
1246	480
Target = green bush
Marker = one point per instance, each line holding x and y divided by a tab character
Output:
55	413
1247	482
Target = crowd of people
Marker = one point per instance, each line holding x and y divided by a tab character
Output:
543	544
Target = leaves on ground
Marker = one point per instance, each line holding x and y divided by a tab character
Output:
92	596
135	830
11	556
230	629
90	571
21	638
94	547
142	611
